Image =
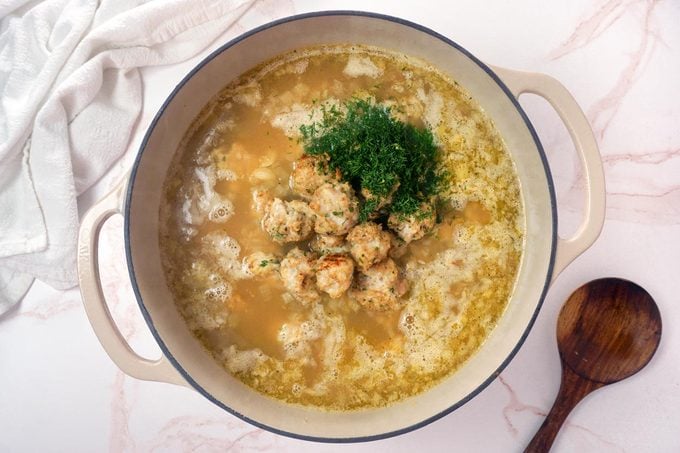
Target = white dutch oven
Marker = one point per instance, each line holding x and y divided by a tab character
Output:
185	362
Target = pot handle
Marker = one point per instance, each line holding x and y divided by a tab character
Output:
97	311
584	141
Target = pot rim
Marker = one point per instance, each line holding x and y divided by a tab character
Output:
161	111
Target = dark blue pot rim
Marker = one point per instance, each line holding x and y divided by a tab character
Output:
147	316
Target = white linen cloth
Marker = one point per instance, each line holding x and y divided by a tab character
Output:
70	93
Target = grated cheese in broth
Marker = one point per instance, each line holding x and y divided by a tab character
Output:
290	119
358	66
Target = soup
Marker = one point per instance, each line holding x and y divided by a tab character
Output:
283	288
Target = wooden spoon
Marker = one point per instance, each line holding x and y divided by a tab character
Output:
607	331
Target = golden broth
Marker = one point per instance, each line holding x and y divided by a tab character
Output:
334	354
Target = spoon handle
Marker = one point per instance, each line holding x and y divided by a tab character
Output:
572	390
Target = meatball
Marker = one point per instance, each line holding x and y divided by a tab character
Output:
414	226
334	274
325	244
369	244
336	209
297	274
310	173
380	287
288	221
260	263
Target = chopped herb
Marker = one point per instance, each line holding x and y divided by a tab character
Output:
265	263
378	153
337	213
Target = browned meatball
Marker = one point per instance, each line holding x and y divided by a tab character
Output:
380	287
288	221
334	274
368	244
310	173
297	275
413	226
336	209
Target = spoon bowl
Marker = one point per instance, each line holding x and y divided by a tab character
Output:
608	330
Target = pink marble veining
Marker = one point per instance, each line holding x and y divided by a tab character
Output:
633	196
194	433
644	201
590	436
119	435
603	111
63	303
592	27
515	405
651	157
107	410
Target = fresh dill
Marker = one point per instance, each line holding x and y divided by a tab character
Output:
391	163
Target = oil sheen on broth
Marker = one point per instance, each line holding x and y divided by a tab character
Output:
333	354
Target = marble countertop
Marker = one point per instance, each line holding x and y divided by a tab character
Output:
59	391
